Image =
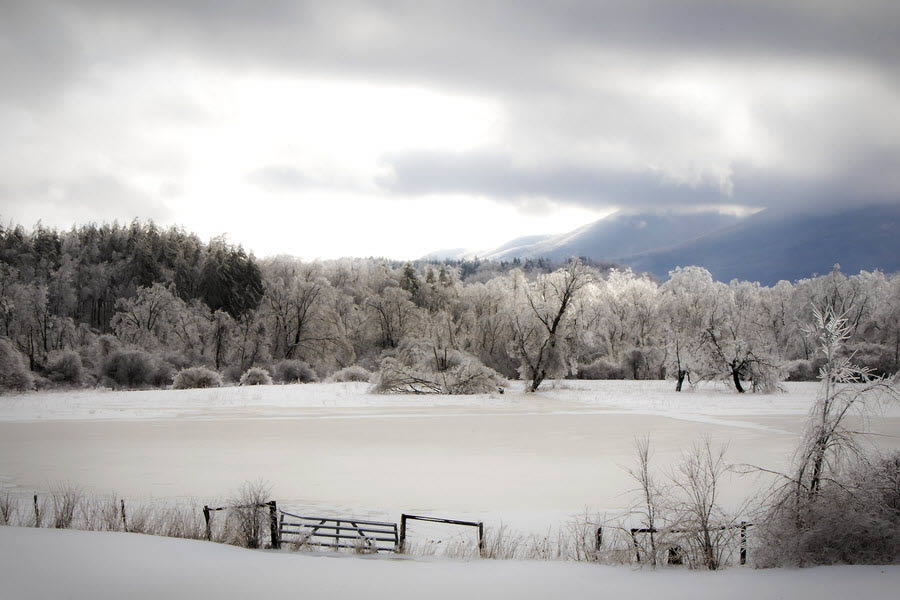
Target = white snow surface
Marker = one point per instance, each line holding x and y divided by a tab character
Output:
531	461
41	563
708	402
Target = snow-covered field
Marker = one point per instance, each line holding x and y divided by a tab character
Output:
530	460
36	564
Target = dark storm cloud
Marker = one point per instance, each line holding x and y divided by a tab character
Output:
553	66
495	176
499	44
38	53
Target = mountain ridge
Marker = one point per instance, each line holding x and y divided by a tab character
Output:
767	246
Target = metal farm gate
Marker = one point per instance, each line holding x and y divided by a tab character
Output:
337	533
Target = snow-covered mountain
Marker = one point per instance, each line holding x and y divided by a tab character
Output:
770	246
618	235
764	247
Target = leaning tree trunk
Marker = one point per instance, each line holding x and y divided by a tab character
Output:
682	373
736	376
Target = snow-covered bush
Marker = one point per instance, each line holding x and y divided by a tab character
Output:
422	368
163	374
294	371
196	377
801	370
602	369
247	519
256	376
351	373
65	367
855	520
837	505
14	374
130	368
877	358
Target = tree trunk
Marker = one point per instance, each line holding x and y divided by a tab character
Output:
682	373
537	379
736	376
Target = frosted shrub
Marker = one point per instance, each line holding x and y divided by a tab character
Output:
196	377
14	375
836	506
855	520
247	519
801	370
352	373
163	374
294	371
422	368
130	369
256	376
65	367
602	369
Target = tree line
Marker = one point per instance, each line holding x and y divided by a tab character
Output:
134	304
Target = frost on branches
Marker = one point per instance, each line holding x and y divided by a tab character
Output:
423	367
538	323
841	504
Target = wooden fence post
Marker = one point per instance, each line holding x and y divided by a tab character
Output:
402	532
273	525
37	513
481	539
599	538
637	547
743	542
208	528
124	522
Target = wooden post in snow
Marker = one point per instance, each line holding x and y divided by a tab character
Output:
273	525
208	528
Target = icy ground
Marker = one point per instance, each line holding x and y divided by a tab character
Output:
41	563
528	460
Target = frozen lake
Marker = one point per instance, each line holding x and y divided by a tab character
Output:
530	459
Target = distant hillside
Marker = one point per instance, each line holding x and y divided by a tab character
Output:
620	234
468	253
768	246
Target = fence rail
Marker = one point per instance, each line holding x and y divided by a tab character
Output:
743	525
477	524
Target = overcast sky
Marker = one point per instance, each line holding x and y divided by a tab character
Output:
331	128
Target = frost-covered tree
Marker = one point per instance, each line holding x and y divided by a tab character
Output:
146	319
394	314
251	340
296	299
626	316
737	344
483	315
538	321
685	306
14	374
836	505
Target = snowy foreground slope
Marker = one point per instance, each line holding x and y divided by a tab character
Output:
42	563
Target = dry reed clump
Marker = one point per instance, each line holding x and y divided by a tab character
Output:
575	540
246	520
68	507
9	509
244	523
